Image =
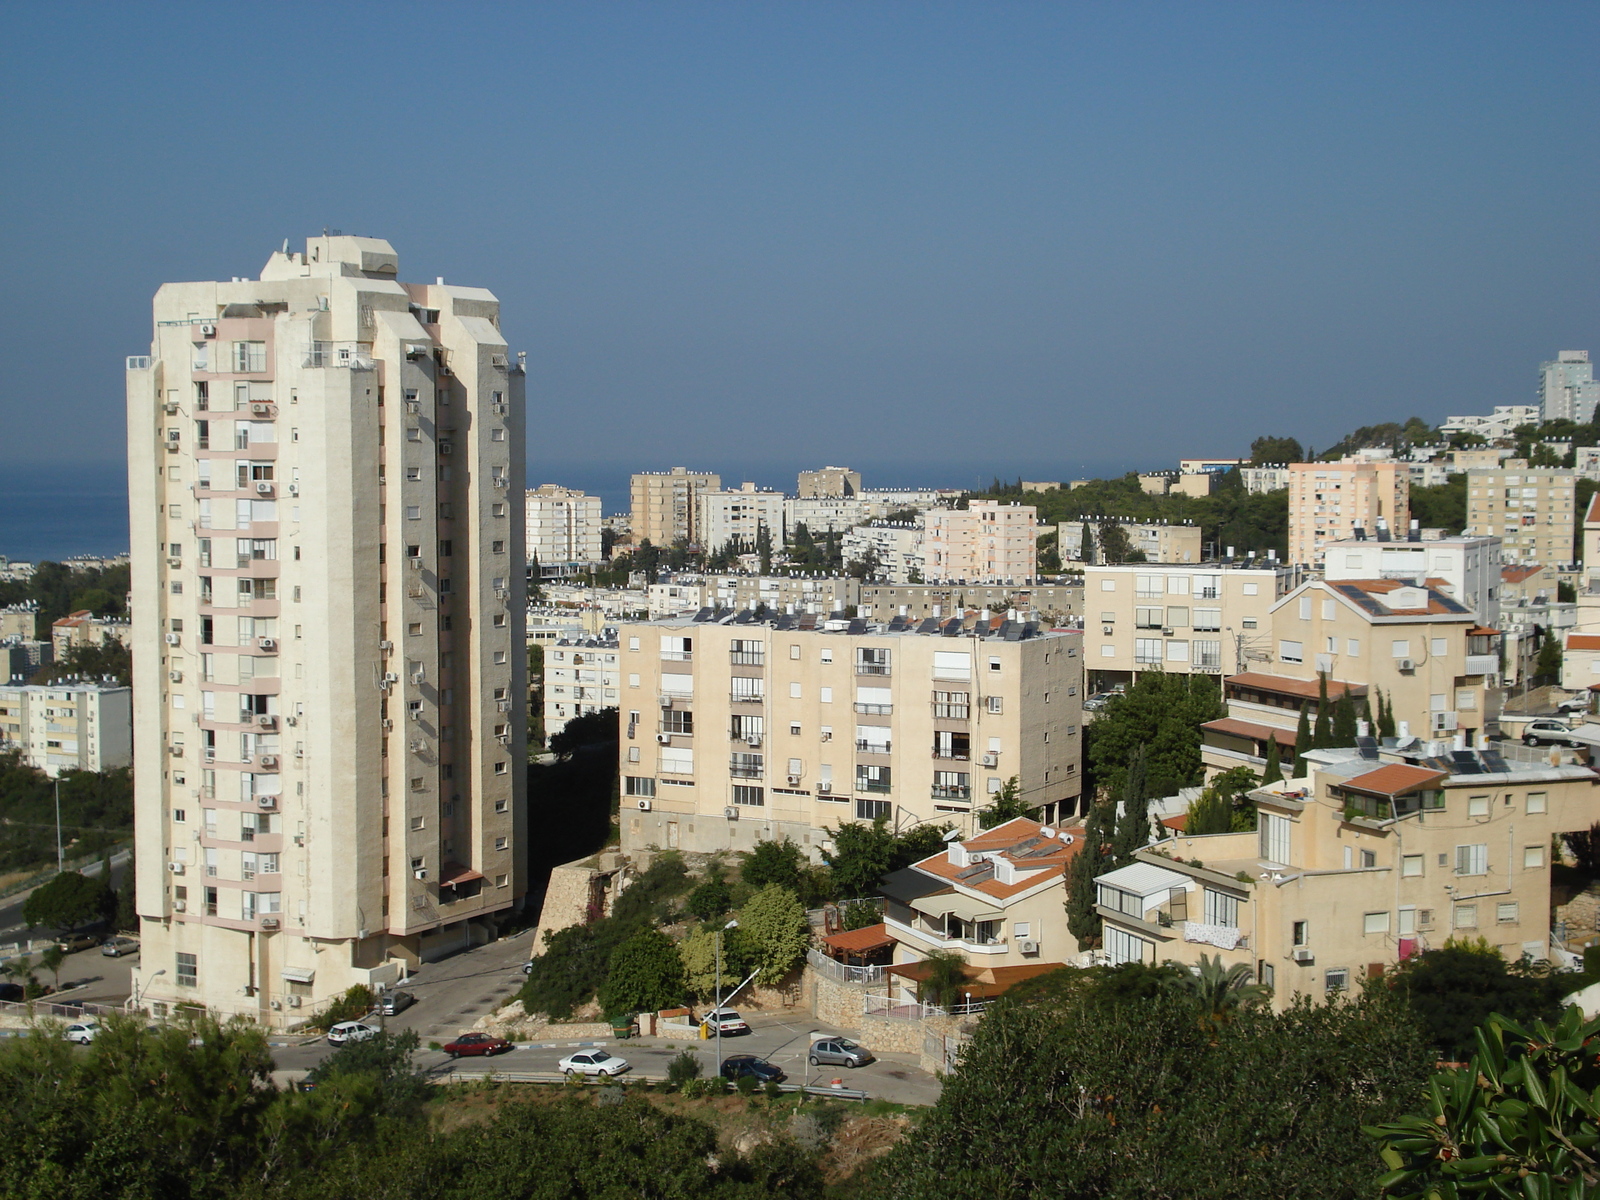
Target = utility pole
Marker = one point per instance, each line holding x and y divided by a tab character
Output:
716	1013
60	860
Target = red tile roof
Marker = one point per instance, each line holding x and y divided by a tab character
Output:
1249	729
1519	574
1395	779
1583	641
982	983
1305	688
1038	868
859	941
1594	510
1178	822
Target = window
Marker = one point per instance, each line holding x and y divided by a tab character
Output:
794	691
1302	933
500	843
1477	806
1472	860
872	778
1336	980
952	664
413	512
1537	802
638	786
677	760
1375	922
1207	653
1147	651
501	806
677	720
754	797
1291	652
1506	913
872	810
994	703
1410	866
497	509
1222	909
1532	857
1208	620
954	706
249	358
1123	947
1400	648
500	768
827	654
1148	618
1466	916
188	974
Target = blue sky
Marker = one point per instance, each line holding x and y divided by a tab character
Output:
935	241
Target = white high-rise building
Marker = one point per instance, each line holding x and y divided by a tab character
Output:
325	482
1568	390
563	528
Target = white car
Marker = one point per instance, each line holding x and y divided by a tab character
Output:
593	1062
351	1031
728	1020
82	1032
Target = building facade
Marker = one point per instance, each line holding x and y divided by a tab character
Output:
325	471
1158	541
830	483
1329	501
1531	509
1469	568
666	505
68	725
736	730
1056	603
739	516
894	548
580	677
986	542
1568	390
562	528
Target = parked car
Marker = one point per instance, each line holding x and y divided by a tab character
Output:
736	1066
82	1032
593	1062
1577	704
730	1022
1548	730
71	943
527	967
351	1031
119	947
469	1044
839	1052
1097	701
12	991
395	1002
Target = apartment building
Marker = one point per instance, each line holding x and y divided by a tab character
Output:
19	620
1376	855
83	628
1501	423
1434	662
1329	501
894	547
68	725
21	658
1568	390
563	528
580	677
738	730
822	514
669	597
1158	541
739	516
325	487
1057	603
1209	466
1209	618
1531	509
830	483
986	542
666	505
1468	568
1271	477
819	595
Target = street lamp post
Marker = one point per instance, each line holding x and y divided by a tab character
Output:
145	987
734	924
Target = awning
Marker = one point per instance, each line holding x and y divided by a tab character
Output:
859	941
299	974
1144	879
964	907
453	873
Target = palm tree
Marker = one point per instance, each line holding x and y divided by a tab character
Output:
1221	992
947	971
51	958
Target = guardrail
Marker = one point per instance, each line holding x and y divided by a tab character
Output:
33	1009
556	1077
910	1010
842	972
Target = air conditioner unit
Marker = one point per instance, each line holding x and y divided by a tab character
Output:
1405	664
1107	630
276	1005
1302	954
989	760
390	679
174	638
828	737
420	873
500	409
294	489
208	331
175	867
174	562
266	720
416	349
753	740
645	806
266	643
824	785
731	812
261	410
172	409
416	714
269	761
1029	947
387	723
263	488
416	564
269	922
180	905
664	739
664	701
291	720
446	448
385	646
175	676
794	780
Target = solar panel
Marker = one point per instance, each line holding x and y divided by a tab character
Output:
952	627
1368	747
1495	761
705	614
786	621
930	625
1465	762
857	625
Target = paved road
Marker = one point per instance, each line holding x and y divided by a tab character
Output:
13	929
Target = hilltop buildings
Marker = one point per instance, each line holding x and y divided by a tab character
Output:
1330	501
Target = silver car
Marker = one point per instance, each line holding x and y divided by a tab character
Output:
839	1052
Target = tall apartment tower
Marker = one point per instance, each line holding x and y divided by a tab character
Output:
829	483
666	505
1568	390
563	527
1329	501
325	487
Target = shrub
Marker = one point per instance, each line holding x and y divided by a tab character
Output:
352	1006
684	1068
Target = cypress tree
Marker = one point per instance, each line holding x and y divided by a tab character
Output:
1322	735
1273	771
1082	919
1133	821
1385	716
1344	721
1302	743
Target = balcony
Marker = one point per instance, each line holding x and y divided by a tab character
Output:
866	747
741	698
953	755
878	786
745	658
866	668
677	655
944	791
875	710
744	771
1483	664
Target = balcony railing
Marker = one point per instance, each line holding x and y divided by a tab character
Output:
747	658
880	786
744	771
875	710
955	755
873	747
866	668
741	698
678	655
945	791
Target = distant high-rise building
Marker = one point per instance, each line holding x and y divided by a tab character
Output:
739	517
830	483
1531	509
1568	390
1329	501
563	527
666	505
325	471
986	542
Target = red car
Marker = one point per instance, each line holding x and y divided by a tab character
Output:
476	1043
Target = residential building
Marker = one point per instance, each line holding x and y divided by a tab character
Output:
1502	423
325	471
1270	477
738	730
1468	568
830	483
819	595
1056	603
1531	509
677	595
1329	501
997	898
1374	856
986	542
1209	466
1209	618
1531	584
1586	462
666	505
1158	541
563	529
19	620
21	658
740	516
83	628
580	677
1041	485
1430	474
821	514
894	548
613	603
1568	390
549	625
1434	662
68	725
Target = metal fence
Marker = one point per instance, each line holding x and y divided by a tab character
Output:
34	1009
842	972
911	1010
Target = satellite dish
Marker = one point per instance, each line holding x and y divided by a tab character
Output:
953	835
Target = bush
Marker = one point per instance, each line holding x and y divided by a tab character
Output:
645	975
352	1006
710	900
746	1085
684	1068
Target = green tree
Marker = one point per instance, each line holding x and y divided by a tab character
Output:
779	862
711	899
1276	450
773	933
1082	919
127	919
51	958
698	953
1162	713
1548	664
69	900
387	1063
1302	742
353	1004
645	974
1272	772
1322	731
1221	993
1456	988
1344	720
1224	807
1008	806
941	985
570	971
590	729
1386	724
861	856
1133	817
